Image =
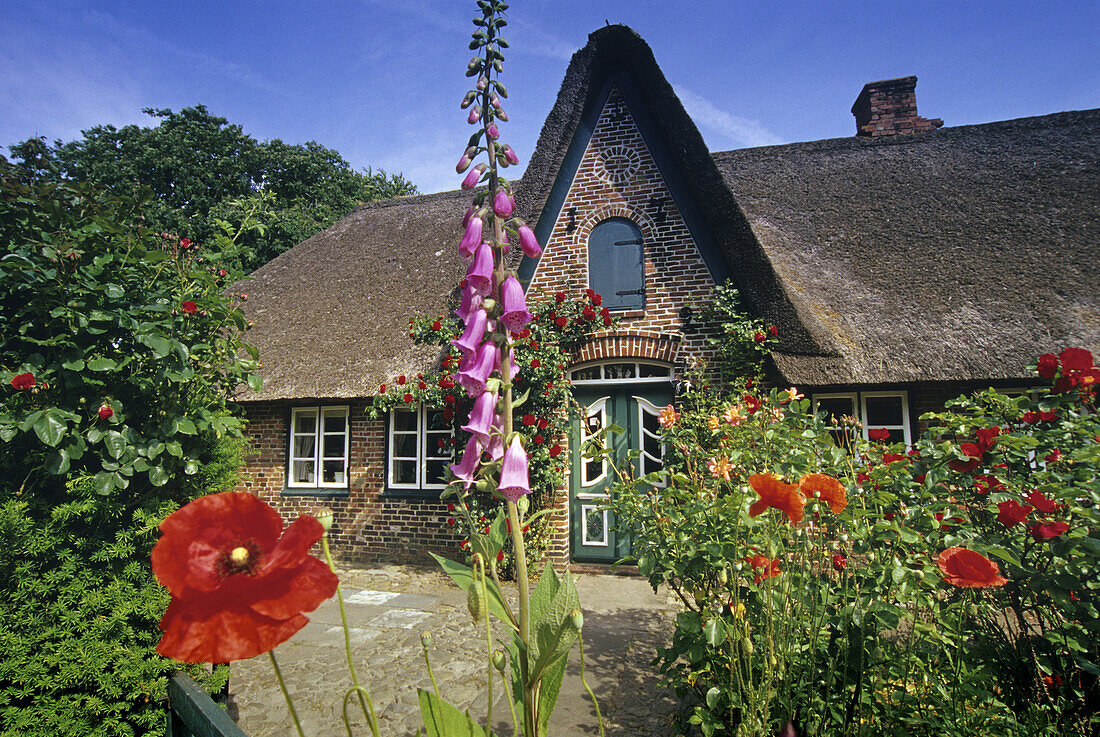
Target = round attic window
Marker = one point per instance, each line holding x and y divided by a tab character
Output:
618	164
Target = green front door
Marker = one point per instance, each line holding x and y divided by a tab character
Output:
634	408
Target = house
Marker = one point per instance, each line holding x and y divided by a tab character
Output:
902	266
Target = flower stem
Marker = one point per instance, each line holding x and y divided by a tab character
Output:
599	718
428	663
286	694
365	701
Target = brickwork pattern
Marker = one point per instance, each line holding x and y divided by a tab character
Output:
889	108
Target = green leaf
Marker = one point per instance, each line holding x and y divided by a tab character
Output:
185	426
548	691
552	602
103	482
76	365
255	382
191	468
463	576
58	463
1003	555
160	346
445	720
49	429
114	291
158	476
101	364
715	631
116	444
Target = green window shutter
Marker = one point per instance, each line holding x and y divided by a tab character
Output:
616	264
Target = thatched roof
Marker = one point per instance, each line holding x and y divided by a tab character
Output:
951	255
331	314
959	254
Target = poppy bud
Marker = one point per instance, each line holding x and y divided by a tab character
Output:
325	516
475	603
425	639
576	620
499	661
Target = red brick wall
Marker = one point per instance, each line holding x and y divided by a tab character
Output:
368	527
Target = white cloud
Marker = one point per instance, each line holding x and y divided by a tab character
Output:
739	131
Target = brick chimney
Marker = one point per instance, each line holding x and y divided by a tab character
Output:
889	108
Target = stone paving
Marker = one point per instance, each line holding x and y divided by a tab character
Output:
388	609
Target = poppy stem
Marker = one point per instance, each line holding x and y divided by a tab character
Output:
286	694
428	663
596	704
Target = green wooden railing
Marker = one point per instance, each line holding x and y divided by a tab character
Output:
192	713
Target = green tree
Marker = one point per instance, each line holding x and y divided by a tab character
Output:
202	169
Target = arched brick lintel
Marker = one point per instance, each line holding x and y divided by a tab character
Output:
630	344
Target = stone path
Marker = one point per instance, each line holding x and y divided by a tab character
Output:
389	608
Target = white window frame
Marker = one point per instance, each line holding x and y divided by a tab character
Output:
646	407
851	396
421	458
904	427
637	379
596	409
318	413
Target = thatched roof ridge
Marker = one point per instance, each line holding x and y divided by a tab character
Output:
959	254
331	314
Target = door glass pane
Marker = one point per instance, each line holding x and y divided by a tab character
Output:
595	531
590	373
619	370
648	370
883	411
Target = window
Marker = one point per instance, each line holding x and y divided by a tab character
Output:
616	264
619	371
318	456
419	449
874	410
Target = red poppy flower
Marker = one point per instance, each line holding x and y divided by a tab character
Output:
751	403
1053	457
239	582
105	412
1047	366
962	567
1075	360
189	307
763	567
1030	417
1047	530
825	488
1012	513
22	382
1048	416
987	437
775	493
879	433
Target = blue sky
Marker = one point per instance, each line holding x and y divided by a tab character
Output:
380	82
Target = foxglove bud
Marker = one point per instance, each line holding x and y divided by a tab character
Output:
473	177
503	204
482	83
469	99
510	155
475	114
528	242
492	131
472	236
502	116
463	164
473	67
501	88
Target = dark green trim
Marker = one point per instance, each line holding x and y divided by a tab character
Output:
312	491
192	713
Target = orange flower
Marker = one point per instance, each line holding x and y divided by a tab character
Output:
719	468
713	423
734	415
825	488
763	567
668	416
775	493
962	567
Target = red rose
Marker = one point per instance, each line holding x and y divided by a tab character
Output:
449	399
1075	360
450	521
105	412
239	582
22	382
555	450
773	331
189	307
1048	416
529	420
401	380
559	297
437	325
962	567
607	320
500	555
1030	417
535	363
381	388
759	337
448	414
450	507
561	322
590	294
1047	366
543	423
407	398
839	562
421	385
538	439
891	457
878	433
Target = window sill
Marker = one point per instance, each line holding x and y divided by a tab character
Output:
324	491
422	494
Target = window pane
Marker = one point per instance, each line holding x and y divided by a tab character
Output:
594	531
883	411
303	446
436	471
335	421
436	420
592	372
332	472
333	446
837	407
404	445
652	446
302	472
592	471
619	370
439	446
305	422
647	370
404	420
404	472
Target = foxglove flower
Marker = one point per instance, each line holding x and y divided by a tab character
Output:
473	177
470	460
513	472
482	417
471	300
472	236
528	242
503	204
475	331
466	218
515	315
513	368
495	449
476	369
510	154
480	273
